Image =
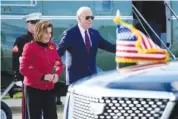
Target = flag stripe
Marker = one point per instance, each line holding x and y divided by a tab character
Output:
145	43
127	45
125	42
139	55
143	58
126	48
129	51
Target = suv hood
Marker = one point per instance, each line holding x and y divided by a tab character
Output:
157	77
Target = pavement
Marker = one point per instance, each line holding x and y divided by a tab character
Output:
15	105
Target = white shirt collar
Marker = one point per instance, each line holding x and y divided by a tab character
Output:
81	29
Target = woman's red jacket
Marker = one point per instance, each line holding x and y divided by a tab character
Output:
38	60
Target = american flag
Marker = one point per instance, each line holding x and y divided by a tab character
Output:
134	46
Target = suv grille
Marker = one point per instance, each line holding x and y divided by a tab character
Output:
119	108
81	109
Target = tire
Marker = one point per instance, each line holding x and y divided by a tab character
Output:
6	112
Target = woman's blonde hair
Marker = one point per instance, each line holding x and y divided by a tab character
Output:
40	28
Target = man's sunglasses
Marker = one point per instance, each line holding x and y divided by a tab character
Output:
33	21
89	17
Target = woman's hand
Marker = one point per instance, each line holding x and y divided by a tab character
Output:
48	77
55	78
51	78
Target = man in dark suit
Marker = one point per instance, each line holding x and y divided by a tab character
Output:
81	44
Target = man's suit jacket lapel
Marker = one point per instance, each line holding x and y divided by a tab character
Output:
80	38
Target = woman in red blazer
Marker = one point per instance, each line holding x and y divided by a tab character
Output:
41	66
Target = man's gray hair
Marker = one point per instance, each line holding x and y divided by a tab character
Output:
81	9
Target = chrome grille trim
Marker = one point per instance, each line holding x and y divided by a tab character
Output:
141	107
103	92
168	110
155	95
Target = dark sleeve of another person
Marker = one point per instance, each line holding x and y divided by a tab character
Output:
16	53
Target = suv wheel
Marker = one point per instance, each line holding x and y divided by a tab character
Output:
6	112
